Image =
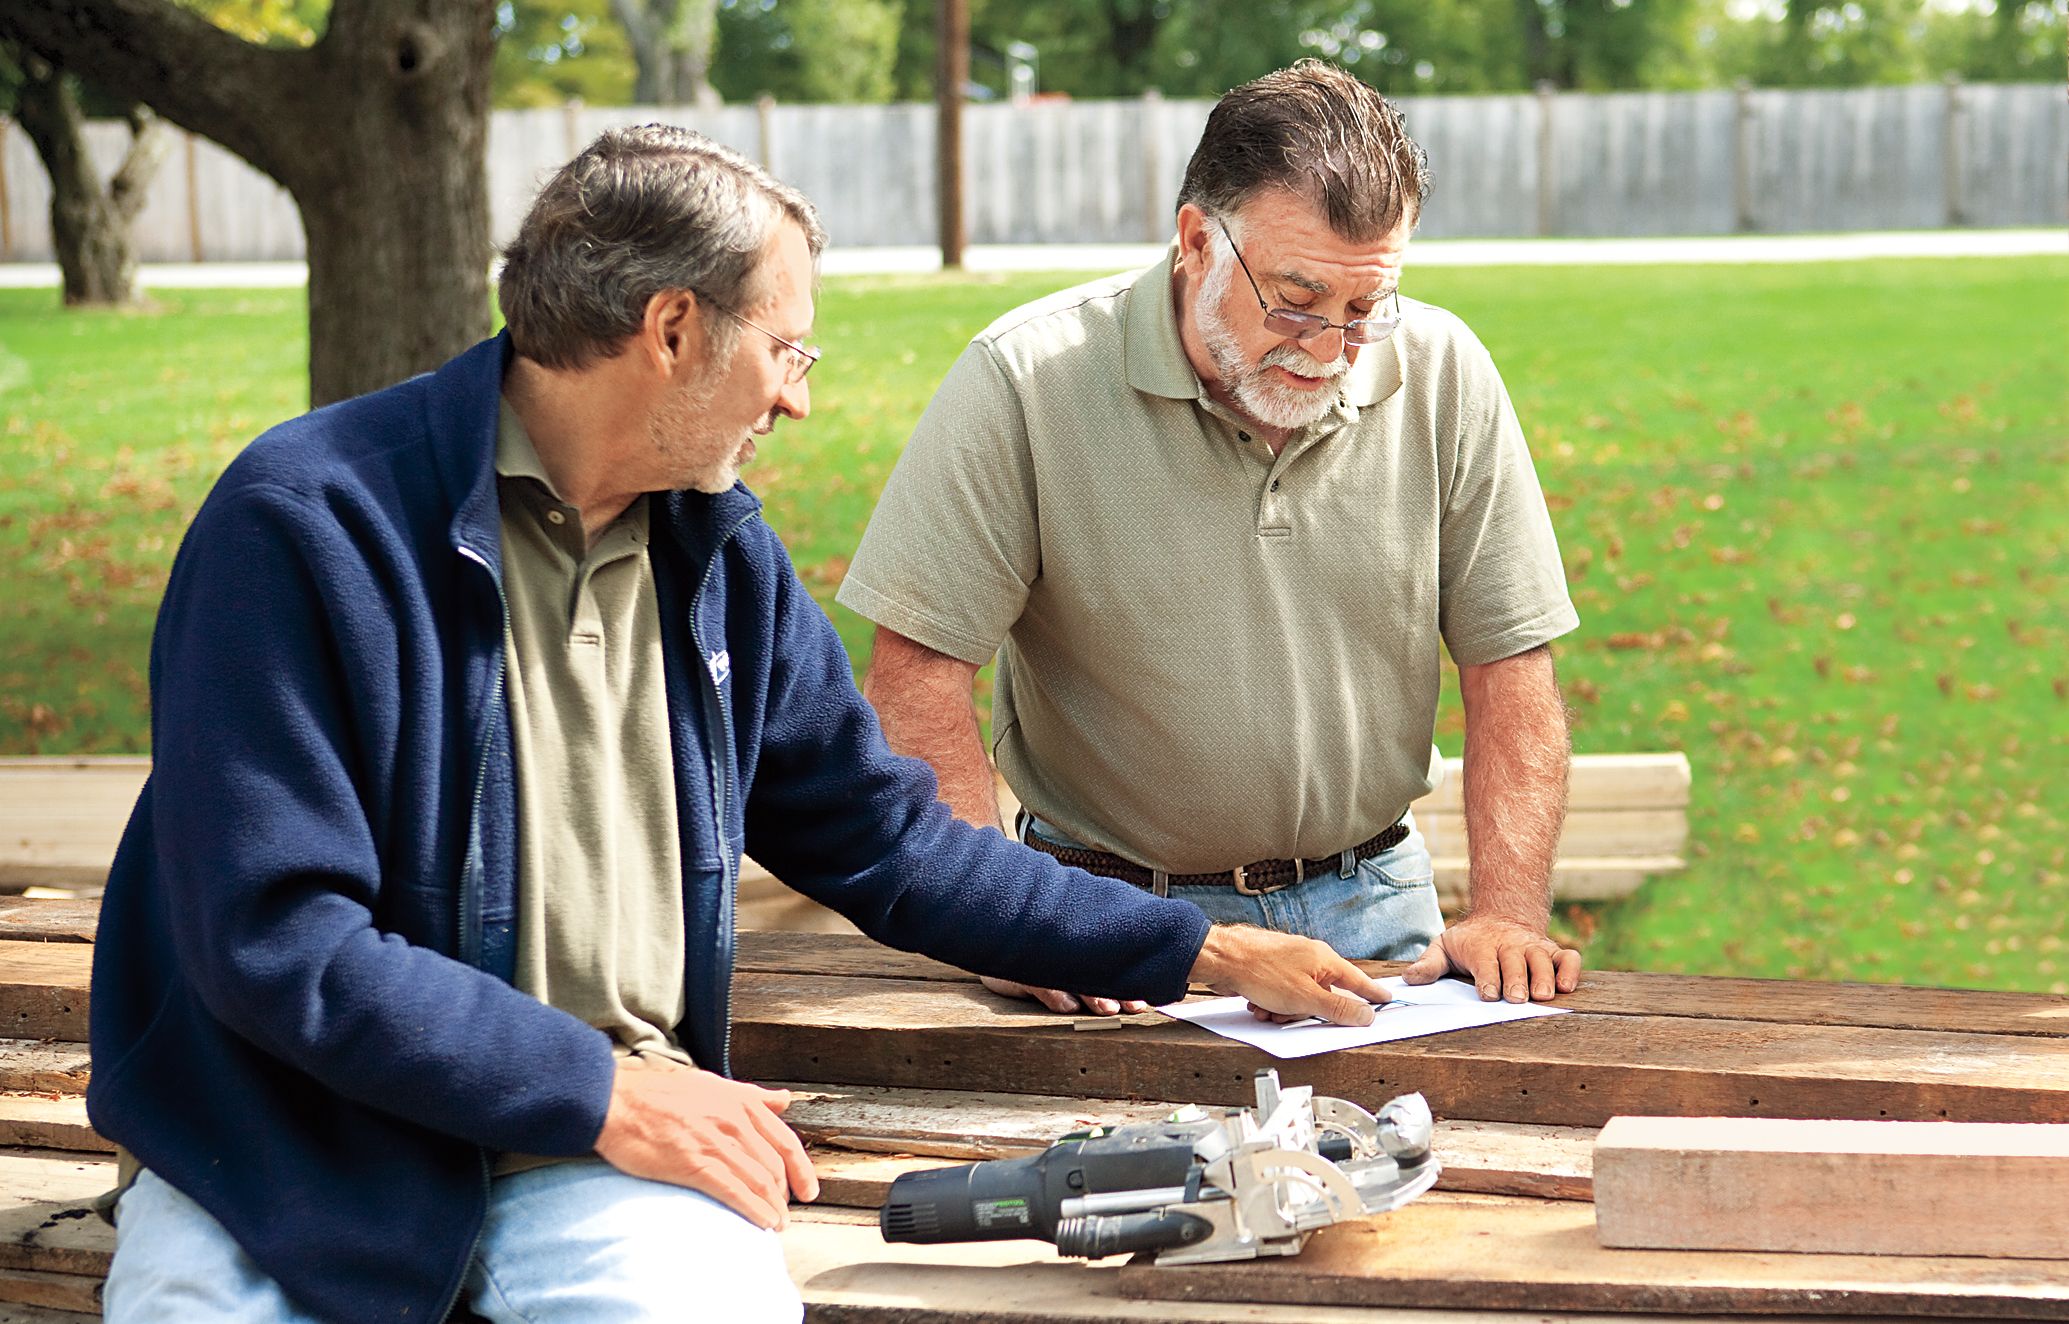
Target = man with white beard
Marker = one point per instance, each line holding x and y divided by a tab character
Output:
1216	519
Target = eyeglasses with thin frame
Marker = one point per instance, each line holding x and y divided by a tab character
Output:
1297	325
802	357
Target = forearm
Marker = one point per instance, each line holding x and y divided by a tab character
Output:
923	701
1516	756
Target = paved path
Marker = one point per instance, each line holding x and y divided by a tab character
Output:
1120	257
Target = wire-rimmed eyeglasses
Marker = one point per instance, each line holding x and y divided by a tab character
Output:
801	357
1297	325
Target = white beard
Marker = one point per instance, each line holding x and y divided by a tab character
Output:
1256	392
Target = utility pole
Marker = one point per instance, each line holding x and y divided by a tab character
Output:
951	74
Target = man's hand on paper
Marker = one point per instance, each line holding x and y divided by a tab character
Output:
1286	978
689	1127
1504	958
1055	999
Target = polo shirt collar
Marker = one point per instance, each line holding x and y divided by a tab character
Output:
1155	355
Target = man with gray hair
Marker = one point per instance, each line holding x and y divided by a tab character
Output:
411	993
1216	519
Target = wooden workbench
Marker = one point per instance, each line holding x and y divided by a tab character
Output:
874	1040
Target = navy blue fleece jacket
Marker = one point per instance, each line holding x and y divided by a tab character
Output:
302	1014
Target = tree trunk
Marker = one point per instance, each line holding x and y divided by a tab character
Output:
394	194
379	131
671	44
89	223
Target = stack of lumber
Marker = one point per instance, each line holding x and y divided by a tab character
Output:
900	1063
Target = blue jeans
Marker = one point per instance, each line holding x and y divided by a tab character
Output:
574	1242
1385	911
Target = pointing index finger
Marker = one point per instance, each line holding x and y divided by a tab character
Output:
1358	984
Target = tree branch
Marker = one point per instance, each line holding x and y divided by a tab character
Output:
130	186
192	72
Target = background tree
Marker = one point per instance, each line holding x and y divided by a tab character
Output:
810	50
549	53
672	43
89	220
1852	44
378	130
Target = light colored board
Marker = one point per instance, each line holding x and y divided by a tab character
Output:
43	990
1611	992
1530	1254
49	1121
44	919
1576	1070
1588	834
862	1181
1594	782
60	819
1494	1157
848	1275
47	1222
1833	1187
32	1067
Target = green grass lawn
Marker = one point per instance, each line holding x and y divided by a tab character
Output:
1816	519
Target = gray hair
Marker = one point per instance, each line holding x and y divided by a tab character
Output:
641	211
1320	134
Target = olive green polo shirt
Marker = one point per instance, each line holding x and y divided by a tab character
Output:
1208	654
599	864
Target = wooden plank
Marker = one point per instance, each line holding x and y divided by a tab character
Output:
49	919
1607	833
847	1275
49	1121
52	1291
11	1313
32	1067
1489	1253
1495	1157
47	1222
1609	992
1594	781
861	1181
1579	879
43	990
1865	1188
1576	1070
60	819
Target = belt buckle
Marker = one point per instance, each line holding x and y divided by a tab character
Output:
1240	876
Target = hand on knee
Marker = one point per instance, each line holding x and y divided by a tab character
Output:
723	1137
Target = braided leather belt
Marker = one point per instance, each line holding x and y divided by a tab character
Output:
1259	879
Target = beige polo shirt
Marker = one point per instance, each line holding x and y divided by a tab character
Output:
1209	655
599	863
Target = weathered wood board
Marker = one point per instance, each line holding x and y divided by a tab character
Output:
1834	1187
1485	1252
49	919
33	1067
47	1222
1576	1070
49	1121
1606	992
43	989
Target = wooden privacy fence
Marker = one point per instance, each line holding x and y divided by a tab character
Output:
1616	164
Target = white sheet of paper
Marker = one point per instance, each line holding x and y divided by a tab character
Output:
1439	1008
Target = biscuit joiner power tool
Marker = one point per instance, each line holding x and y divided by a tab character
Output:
1201	1185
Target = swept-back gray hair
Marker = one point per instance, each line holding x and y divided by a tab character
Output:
1319	133
642	210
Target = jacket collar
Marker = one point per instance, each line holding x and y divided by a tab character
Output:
463	402
1155	355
